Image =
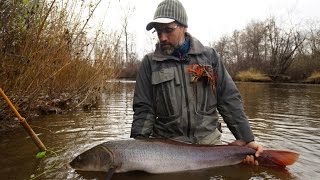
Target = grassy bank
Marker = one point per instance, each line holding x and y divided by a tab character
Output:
314	78
252	75
48	62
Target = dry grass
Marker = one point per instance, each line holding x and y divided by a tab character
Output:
45	52
252	75
314	78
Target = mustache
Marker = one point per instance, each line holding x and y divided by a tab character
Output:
165	43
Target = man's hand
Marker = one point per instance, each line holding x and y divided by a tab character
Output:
250	159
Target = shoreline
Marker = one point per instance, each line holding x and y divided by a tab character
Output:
10	123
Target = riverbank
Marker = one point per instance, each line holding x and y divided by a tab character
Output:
42	106
62	104
253	75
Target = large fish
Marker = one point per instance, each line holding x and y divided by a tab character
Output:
166	156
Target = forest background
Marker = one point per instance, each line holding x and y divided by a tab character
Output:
51	61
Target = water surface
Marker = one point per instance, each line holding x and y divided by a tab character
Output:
282	116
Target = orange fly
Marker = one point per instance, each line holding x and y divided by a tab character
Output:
198	71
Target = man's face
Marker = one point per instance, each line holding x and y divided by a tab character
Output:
170	36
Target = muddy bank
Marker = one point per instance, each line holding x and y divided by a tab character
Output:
42	106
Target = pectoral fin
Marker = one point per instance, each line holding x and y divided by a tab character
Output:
110	173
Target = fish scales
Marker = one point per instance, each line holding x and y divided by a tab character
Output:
166	156
156	156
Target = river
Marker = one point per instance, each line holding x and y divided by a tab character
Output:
282	116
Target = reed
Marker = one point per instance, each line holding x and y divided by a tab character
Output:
46	54
252	75
314	78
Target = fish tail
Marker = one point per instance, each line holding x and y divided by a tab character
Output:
278	158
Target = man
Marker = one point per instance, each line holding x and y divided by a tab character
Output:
181	87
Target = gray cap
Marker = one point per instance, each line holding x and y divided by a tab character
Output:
167	12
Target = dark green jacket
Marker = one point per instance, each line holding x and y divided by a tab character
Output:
167	103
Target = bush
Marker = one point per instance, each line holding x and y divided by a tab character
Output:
252	75
314	78
45	53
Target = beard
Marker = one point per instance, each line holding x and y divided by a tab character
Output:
167	49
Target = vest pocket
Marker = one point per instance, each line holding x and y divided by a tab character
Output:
165	96
206	102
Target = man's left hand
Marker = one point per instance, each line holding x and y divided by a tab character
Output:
250	159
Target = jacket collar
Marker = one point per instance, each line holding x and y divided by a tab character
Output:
196	47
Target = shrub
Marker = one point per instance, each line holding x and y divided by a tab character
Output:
47	57
252	75
314	78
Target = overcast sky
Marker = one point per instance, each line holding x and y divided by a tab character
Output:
208	19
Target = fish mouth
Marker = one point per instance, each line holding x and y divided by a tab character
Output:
74	164
99	158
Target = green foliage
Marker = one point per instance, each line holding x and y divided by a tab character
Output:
41	154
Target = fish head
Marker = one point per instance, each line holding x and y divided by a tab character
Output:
98	158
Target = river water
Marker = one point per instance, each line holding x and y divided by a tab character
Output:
282	116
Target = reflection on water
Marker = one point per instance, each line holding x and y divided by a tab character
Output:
283	116
287	116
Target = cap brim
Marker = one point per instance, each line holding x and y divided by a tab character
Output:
151	24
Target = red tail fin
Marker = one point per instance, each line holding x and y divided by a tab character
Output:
277	158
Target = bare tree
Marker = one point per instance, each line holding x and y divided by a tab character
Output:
265	46
236	46
127	14
314	42
222	48
283	45
253	43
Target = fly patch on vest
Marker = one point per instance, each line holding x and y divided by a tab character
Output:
204	73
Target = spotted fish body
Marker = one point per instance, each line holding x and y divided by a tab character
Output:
157	156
